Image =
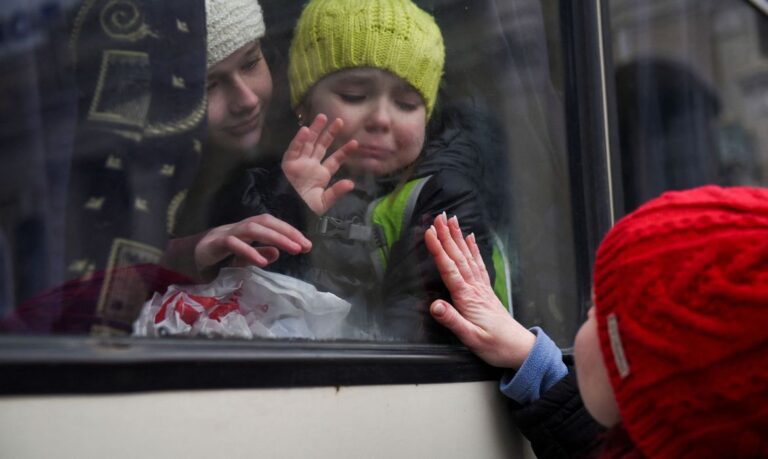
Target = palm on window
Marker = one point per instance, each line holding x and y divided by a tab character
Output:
309	171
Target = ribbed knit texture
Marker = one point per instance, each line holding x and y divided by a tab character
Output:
392	35
686	276
231	25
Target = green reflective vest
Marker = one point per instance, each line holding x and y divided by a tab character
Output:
393	212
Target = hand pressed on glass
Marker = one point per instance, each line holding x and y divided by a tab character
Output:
309	171
476	317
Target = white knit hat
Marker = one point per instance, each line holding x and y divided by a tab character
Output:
231	24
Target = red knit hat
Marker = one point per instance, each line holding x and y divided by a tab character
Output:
681	297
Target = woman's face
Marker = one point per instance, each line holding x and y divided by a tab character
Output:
385	114
239	90
592	376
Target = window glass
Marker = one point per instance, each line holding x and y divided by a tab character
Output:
142	144
692	94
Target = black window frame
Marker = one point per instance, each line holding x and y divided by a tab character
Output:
88	365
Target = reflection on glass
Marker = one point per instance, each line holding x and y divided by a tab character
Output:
691	94
145	170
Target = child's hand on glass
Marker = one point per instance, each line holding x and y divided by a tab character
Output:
309	171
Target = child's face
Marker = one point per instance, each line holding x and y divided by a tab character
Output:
385	114
592	376
239	90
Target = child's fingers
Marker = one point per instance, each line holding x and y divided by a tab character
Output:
317	129
453	251
308	148
310	135
336	191
318	124
326	138
297	144
334	162
447	269
475	250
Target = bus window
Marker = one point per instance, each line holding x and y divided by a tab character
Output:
145	171
691	92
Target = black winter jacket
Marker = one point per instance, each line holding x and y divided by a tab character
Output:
395	306
557	424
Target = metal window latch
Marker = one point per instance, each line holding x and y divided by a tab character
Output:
334	227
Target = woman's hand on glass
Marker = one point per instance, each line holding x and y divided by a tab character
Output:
238	238
309	171
477	317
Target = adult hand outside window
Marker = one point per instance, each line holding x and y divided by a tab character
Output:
476	317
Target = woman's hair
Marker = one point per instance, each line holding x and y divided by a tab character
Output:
392	35
681	299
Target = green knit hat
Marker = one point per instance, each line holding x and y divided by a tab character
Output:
392	35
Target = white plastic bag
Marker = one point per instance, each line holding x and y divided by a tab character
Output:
243	303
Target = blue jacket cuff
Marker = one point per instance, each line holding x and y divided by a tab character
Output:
542	369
